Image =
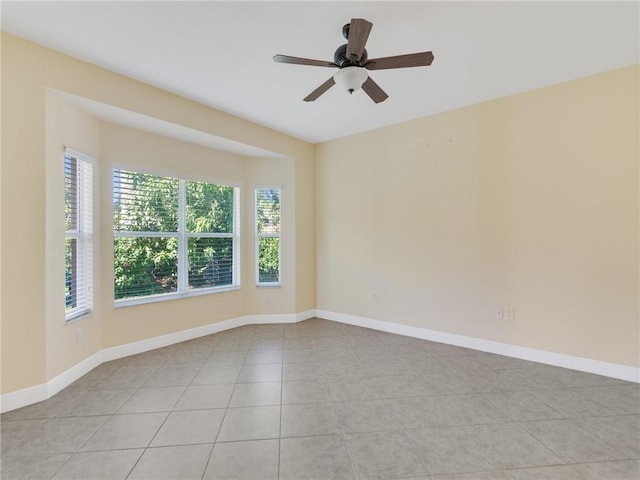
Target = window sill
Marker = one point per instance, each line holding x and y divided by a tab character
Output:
269	285
77	316
173	296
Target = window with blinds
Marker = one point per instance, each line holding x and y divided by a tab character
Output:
173	236
78	226
268	236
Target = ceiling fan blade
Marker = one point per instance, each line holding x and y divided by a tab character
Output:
303	61
374	91
359	30
320	90
422	59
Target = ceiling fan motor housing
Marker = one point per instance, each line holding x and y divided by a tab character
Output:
345	30
341	59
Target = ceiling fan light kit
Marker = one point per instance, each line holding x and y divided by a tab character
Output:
352	62
350	78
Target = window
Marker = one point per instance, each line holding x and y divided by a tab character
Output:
173	237
78	229
268	236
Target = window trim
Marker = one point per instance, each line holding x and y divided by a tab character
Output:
164	297
258	236
84	233
183	237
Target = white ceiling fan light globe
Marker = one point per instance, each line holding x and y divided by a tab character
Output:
350	78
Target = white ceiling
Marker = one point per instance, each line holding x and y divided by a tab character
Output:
220	53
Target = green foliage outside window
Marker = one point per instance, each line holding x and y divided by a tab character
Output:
209	209
145	266
70	223
269	259
268	229
148	265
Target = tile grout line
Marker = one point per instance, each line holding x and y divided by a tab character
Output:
281	403
145	449
342	435
224	416
516	387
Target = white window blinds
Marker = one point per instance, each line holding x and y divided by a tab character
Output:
173	236
78	219
268	236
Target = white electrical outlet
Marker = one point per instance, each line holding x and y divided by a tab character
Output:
510	314
499	313
78	336
376	296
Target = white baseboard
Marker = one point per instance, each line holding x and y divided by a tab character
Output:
622	372
262	319
300	317
20	398
27	396
37	393
74	373
142	346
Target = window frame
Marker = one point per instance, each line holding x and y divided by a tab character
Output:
258	236
83	233
183	237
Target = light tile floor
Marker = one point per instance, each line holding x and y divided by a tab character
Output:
321	400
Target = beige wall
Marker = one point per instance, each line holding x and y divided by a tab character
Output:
31	140
140	151
23	185
273	172
305	241
126	148
529	202
70	127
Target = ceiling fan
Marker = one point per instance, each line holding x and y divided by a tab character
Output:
352	63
